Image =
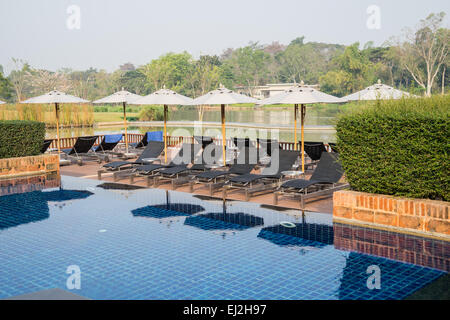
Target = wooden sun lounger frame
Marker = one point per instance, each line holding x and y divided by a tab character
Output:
319	190
259	186
212	184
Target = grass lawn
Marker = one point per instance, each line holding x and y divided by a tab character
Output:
113	116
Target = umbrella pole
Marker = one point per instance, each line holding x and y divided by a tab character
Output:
165	133
295	126
57	128
303	112
125	125
222	113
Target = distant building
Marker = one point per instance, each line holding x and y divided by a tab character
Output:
268	90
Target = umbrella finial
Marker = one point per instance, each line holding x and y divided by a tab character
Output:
302	83
221	86
379	81
123	88
164	86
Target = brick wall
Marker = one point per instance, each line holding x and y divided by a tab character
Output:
428	217
23	166
392	245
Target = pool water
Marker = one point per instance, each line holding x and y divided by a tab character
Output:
154	244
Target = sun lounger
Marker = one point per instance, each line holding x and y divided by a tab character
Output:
46	145
148	136
185	156
323	182
243	143
203	140
105	149
268	145
80	150
214	179
152	151
179	175
314	151
270	177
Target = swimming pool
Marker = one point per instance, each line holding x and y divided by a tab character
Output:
153	244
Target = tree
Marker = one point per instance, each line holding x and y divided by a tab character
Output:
249	66
169	70
18	77
6	87
353	70
424	50
205	76
336	82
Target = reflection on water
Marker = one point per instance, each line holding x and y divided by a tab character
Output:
272	116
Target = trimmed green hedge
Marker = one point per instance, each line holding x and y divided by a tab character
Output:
398	147
21	138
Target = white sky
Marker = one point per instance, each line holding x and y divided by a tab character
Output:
113	32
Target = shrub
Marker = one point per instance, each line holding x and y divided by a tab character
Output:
21	138
397	147
151	113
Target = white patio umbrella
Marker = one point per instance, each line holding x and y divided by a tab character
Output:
222	96
376	92
122	97
166	98
301	94
56	97
2	102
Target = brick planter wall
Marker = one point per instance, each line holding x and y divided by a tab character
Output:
422	251
427	217
23	166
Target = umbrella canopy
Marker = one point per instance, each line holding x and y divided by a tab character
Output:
119	97
165	97
377	91
222	96
56	97
123	97
2	102
301	94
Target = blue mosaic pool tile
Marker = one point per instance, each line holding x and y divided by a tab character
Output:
140	244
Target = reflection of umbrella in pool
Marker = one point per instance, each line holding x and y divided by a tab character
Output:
300	234
21	208
224	221
167	210
66	195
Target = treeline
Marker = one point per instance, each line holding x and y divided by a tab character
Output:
416	62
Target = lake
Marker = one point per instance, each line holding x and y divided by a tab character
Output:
318	123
